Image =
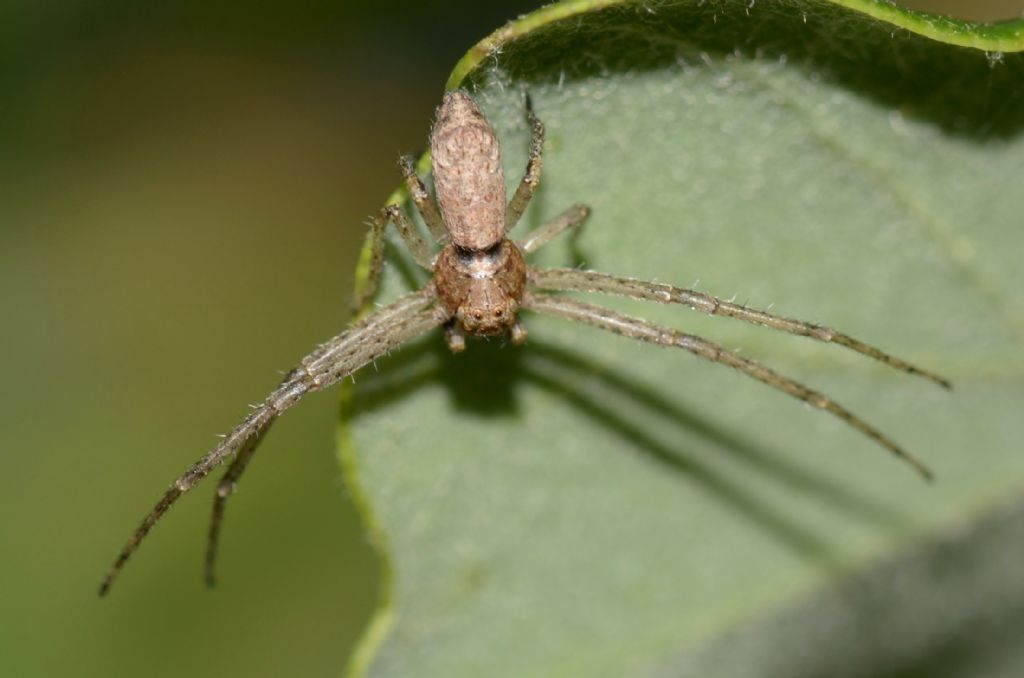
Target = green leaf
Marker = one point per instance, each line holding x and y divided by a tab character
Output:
589	506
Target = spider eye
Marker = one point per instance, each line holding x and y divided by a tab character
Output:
497	313
478	315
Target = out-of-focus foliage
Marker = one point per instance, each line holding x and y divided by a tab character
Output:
183	187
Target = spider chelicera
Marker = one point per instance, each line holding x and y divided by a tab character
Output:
480	283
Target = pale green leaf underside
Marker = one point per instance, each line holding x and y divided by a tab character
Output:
589	506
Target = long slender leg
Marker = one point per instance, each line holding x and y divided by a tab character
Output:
334	360
636	328
372	326
521	198
286	395
417	247
423	200
542	235
590	281
225	488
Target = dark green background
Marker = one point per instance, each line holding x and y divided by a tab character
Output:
183	188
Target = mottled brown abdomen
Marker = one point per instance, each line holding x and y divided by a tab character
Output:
468	175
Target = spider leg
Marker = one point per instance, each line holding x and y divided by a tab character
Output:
524	192
636	328
225	488
424	202
253	426
418	247
372	326
540	236
591	281
373	337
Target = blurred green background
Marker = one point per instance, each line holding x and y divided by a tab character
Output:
183	188
183	192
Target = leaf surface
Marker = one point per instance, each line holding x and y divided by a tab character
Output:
586	505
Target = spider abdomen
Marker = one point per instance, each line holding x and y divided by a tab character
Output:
481	290
468	174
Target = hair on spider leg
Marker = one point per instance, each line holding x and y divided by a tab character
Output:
477	284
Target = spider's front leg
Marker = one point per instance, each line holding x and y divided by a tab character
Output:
251	429
367	340
225	488
636	328
572	280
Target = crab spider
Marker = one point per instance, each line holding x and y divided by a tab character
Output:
480	284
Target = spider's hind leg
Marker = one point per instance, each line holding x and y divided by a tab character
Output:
418	247
531	178
424	202
574	217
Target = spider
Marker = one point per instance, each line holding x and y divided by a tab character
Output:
480	284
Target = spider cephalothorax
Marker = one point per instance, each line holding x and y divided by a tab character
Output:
480	284
482	289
